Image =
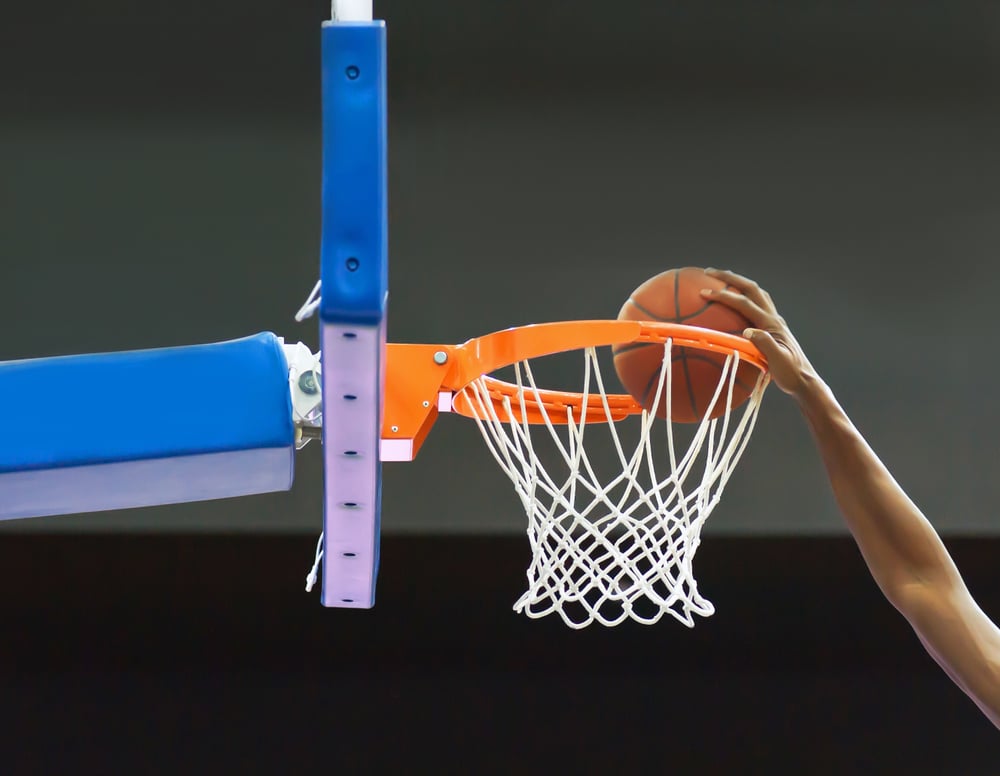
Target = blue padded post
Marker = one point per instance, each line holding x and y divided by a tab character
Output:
354	260
116	430
354	274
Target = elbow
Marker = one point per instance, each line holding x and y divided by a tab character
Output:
921	600
914	593
909	597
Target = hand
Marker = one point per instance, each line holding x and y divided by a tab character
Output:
789	368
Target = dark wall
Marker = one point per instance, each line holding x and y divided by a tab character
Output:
163	654
159	182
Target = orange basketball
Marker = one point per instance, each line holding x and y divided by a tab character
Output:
674	297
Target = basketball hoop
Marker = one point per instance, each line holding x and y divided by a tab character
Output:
608	544
613	524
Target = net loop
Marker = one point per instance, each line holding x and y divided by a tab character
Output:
613	531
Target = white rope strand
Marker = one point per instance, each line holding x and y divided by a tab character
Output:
614	538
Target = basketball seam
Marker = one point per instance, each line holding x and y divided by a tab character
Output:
687	377
707	360
677	318
692	356
655	379
653	382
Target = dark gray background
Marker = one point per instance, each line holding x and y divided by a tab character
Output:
159	178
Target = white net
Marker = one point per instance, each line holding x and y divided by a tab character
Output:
613	531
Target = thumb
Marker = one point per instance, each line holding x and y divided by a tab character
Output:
764	342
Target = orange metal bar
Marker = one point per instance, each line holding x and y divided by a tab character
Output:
412	382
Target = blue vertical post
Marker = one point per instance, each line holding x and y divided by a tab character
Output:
354	275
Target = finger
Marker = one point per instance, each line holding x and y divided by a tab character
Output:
744	285
742	304
764	342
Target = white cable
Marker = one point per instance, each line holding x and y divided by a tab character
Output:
311	304
314	571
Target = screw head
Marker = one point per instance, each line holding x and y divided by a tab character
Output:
352	264
395	429
427	404
308	384
440	357
353	72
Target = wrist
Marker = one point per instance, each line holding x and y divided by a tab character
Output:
810	390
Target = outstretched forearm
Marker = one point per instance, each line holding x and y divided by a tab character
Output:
899	545
905	554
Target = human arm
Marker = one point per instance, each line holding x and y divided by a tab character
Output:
904	553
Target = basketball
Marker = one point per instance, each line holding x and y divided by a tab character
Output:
674	297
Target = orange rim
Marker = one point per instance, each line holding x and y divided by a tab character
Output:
417	374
